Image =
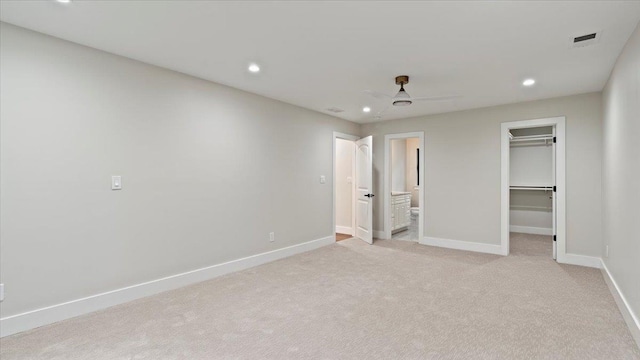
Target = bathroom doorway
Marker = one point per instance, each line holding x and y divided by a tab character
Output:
404	179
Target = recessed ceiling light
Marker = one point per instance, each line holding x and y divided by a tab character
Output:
366	109
64	1
254	68
528	82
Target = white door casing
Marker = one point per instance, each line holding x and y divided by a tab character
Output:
559	174
553	195
364	189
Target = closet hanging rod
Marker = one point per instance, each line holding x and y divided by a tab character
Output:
532	138
545	188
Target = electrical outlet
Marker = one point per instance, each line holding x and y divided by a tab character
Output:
606	251
272	237
1	292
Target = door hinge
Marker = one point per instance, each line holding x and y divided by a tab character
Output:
554	139
554	189
554	238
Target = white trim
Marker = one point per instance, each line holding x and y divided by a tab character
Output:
344	230
32	319
530	230
462	245
339	135
387	182
378	234
582	260
632	320
560	172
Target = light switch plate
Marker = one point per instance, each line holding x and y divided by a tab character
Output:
323	179
116	182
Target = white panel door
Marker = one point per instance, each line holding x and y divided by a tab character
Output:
364	188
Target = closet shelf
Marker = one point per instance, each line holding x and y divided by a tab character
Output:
527	207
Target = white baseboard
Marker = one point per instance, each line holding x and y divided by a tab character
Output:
530	230
462	245
378	234
32	319
582	260
632	320
344	230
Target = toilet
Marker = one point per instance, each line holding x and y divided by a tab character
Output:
415	211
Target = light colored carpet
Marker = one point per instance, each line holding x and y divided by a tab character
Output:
392	300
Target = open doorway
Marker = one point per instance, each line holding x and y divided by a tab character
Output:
531	195
533	188
404	177
345	188
352	187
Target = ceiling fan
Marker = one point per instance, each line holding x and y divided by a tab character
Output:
402	98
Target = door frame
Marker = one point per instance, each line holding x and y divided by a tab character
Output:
387	182
343	136
560	173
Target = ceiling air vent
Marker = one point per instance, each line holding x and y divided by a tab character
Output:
585	39
335	110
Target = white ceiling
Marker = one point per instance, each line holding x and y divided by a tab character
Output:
325	54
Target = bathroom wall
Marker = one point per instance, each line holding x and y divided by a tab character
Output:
411	178
398	164
345	153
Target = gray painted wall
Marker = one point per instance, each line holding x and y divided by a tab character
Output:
208	171
200	161
621	171
412	170
462	169
398	164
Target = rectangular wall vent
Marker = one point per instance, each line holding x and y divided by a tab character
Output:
585	39
335	110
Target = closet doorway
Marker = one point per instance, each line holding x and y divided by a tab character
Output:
533	187
403	187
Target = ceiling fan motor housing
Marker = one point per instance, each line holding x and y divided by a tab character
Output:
402	80
402	98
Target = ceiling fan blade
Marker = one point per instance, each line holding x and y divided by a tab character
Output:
436	98
377	95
